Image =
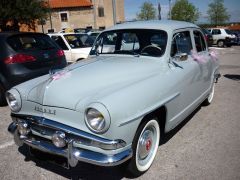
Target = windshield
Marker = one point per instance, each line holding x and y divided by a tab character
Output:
79	40
131	41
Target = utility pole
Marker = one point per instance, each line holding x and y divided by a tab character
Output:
114	11
170	9
159	11
94	15
50	15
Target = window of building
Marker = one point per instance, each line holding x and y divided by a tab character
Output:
64	17
101	11
102	27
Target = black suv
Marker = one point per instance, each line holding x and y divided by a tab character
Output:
24	56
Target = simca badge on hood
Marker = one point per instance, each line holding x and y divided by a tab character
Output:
45	110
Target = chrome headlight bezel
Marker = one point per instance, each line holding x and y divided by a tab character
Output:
97	114
14	100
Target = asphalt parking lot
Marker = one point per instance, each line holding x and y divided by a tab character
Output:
205	146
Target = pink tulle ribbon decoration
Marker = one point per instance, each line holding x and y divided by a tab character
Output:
197	57
60	74
214	55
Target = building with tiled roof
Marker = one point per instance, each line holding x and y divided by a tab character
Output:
95	14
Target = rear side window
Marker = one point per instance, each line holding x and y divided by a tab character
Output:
30	42
60	42
216	31
199	41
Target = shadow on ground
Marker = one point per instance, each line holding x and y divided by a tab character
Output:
234	77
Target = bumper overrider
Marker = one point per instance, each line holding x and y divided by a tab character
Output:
62	140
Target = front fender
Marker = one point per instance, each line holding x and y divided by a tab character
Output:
128	106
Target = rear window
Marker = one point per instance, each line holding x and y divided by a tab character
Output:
30	42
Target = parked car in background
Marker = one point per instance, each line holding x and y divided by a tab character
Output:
24	56
141	80
208	37
222	37
76	46
81	30
237	34
93	34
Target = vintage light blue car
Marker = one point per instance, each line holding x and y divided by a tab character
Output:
140	81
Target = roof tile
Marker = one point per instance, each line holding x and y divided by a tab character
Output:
69	3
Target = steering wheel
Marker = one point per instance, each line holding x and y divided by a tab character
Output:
151	50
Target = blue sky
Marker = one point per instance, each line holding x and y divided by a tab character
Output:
132	7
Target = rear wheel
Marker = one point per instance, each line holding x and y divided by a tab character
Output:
3	101
145	145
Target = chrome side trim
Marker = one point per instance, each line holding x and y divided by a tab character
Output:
151	110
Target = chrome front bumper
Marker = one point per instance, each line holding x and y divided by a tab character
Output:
71	152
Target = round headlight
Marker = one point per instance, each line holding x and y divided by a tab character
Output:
13	102
95	120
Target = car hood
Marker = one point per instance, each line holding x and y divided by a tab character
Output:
92	79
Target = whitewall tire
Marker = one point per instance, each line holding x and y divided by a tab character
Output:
145	146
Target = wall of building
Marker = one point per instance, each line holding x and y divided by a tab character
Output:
83	17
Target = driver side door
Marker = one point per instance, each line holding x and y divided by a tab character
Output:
187	73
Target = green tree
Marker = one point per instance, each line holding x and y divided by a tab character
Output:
21	12
182	10
147	12
217	12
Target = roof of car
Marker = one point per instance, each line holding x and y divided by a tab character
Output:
70	33
154	24
9	33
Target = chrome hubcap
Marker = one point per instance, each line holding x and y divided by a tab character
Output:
145	144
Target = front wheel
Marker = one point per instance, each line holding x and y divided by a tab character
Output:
145	145
220	43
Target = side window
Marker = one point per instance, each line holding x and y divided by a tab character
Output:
199	41
107	43
181	43
216	31
60	42
129	42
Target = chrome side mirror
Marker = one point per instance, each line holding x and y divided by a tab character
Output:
181	56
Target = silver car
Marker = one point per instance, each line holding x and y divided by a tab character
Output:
140	81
